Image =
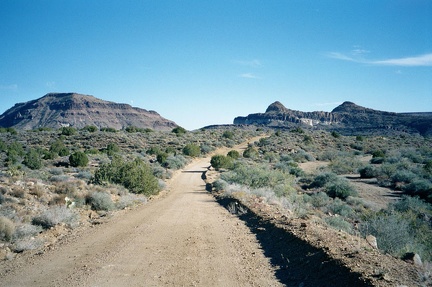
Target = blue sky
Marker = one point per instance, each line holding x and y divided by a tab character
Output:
205	62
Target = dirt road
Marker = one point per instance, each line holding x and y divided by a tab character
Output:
183	239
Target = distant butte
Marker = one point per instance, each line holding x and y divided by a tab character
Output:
55	110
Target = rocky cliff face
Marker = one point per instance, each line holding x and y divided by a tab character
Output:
348	118
69	109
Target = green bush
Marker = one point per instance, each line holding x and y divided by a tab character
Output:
58	148
339	223
136	176
340	188
192	150
100	201
258	176
233	154
78	159
90	129
250	152
368	172
68	131
221	161
33	159
162	157
228	134
112	148
108	130
179	131
324	178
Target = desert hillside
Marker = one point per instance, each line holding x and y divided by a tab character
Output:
277	207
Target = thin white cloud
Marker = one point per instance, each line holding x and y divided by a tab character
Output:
249	76
250	63
415	61
12	87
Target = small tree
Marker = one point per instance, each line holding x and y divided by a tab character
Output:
33	159
78	159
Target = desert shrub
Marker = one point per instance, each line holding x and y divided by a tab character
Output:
340	188
112	148
26	230
302	156
392	232
221	161
403	177
33	159
100	201
58	148
7	228
56	171
178	131
29	243
335	134
420	187
108	130
322	179
320	199
175	161
339	223
233	154
153	150
55	215
78	159
161	157
84	175
160	172
219	185
12	131
339	207
205	149
192	150
368	172
90	129
250	152
136	176
258	176
130	199
228	134
345	165
68	131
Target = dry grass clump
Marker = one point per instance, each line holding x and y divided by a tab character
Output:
7	228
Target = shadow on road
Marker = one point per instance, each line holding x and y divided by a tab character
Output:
298	263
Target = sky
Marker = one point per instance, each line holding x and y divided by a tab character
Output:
200	63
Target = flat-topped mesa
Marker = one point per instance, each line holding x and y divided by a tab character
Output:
347	118
71	109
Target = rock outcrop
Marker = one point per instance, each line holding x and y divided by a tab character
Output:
348	118
55	110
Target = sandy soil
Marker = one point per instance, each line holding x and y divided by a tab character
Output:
184	238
